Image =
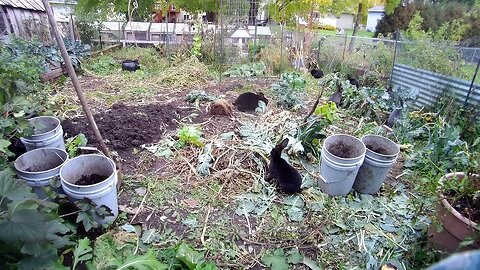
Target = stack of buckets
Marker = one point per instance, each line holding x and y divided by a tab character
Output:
47	160
364	169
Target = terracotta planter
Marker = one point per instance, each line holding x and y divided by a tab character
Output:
456	227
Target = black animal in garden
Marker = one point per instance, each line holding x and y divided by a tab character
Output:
394	115
337	96
248	102
316	73
353	81
288	178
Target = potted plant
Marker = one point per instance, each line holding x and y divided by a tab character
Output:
458	210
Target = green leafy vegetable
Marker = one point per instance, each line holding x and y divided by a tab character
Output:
190	257
277	260
82	252
189	135
74	142
138	262
246	70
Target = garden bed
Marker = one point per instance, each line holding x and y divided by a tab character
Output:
191	177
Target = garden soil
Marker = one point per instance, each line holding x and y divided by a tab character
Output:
340	149
126	127
92	179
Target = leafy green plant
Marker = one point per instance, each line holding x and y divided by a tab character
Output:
287	91
82	252
138	262
74	142
246	70
197	43
47	54
278	260
88	212
102	65
311	134
30	229
19	81
189	135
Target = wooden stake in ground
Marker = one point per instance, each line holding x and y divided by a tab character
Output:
73	77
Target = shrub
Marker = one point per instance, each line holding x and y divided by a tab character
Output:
273	57
19	80
327	27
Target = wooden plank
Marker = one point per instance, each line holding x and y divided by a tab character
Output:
5	19
13	21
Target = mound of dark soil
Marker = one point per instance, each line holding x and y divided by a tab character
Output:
340	149
92	179
125	127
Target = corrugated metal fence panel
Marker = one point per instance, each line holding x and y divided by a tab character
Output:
431	85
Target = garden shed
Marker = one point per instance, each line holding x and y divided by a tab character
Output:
24	18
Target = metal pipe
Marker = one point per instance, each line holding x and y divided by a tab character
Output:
471	84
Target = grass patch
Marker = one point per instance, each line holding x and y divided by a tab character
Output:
160	189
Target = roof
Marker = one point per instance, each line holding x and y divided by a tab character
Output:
261	30
377	9
25	4
241	33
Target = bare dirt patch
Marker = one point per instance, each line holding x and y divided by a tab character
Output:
125	127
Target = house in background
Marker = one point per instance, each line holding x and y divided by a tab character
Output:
28	19
374	15
23	18
63	9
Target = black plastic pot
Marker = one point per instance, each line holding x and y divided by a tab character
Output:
130	65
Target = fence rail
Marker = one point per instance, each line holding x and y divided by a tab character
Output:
431	85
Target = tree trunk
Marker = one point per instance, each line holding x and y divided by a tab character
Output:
252	12
355	27
309	27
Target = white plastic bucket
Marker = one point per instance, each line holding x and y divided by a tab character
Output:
48	134
103	193
337	174
375	169
39	166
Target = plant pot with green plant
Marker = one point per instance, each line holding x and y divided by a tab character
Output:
457	216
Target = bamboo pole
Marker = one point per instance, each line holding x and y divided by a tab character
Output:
73	77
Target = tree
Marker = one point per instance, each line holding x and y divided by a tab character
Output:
145	7
399	19
361	9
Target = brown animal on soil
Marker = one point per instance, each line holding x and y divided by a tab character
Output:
220	107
